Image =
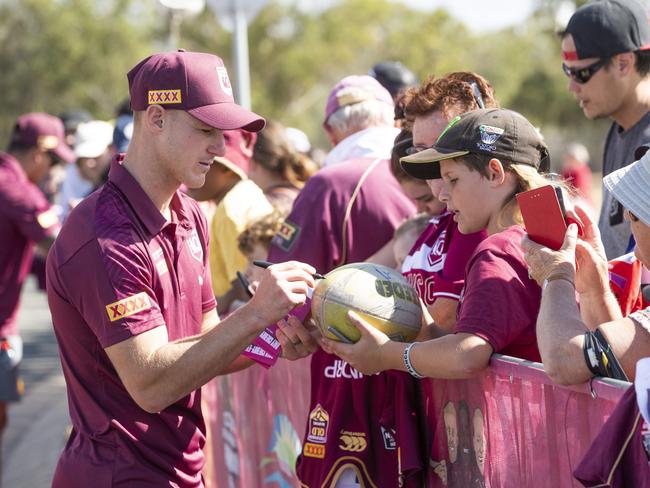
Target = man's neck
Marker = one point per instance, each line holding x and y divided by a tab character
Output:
635	107
152	181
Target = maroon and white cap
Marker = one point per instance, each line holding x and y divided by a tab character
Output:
197	83
45	131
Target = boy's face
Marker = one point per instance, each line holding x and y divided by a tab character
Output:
467	195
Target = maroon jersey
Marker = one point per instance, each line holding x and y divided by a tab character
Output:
500	302
345	213
617	457
25	218
435	266
116	270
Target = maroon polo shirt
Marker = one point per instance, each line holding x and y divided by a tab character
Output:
118	269
25	218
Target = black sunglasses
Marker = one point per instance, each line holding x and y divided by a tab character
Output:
583	75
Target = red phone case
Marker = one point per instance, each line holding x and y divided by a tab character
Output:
543	217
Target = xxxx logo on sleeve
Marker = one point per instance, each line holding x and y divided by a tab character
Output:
128	306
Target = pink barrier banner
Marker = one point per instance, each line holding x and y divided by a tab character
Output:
508	427
256	421
511	426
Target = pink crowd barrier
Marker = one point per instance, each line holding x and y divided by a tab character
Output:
508	427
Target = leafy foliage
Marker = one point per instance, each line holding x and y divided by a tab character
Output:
64	54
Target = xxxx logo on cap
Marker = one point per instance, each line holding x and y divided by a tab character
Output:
157	97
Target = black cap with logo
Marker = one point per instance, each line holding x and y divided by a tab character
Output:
496	132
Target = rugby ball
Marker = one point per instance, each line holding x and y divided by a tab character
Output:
379	294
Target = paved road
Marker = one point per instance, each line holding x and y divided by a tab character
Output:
37	425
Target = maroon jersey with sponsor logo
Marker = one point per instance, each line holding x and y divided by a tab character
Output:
500	302
25	218
435	266
367	424
116	270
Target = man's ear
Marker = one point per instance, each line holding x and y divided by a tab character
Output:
624	63
247	142
154	117
496	173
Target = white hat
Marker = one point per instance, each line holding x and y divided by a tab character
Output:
298	139
92	139
631	187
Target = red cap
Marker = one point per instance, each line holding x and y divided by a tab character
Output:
195	82
44	131
239	150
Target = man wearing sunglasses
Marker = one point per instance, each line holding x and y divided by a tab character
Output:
606	56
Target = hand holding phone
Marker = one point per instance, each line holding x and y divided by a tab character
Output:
544	215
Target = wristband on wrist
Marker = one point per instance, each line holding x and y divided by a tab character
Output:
558	276
407	362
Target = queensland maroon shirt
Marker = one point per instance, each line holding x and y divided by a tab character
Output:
25	219
435	265
118	269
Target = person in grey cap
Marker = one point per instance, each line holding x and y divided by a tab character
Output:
605	53
577	344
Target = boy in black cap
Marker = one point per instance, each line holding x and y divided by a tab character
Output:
484	158
606	55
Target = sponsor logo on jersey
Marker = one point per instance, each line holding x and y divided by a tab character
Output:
341	369
352	441
158	258
318	421
194	243
389	438
128	306
286	235
161	97
313	450
224	80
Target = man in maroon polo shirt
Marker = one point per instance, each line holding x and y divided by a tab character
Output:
26	220
130	293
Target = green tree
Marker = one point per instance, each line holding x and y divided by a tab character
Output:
63	54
